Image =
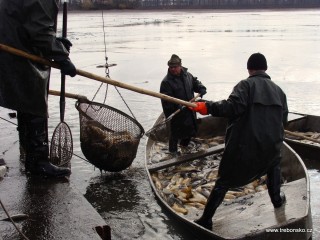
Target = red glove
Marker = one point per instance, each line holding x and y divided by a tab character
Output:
200	108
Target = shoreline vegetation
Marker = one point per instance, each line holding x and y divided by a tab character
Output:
190	4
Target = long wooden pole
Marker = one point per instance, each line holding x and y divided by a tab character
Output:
95	77
69	95
84	98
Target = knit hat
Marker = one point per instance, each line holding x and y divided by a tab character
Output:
257	61
174	61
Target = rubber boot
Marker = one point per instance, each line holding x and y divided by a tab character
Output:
214	200
274	183
173	144
185	142
37	161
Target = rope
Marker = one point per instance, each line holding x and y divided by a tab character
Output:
104	100
11	220
125	103
107	70
8	121
105	46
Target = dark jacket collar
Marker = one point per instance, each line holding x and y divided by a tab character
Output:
260	73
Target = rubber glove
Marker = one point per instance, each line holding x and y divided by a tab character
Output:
200	108
66	42
67	67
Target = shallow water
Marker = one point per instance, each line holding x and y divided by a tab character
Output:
215	46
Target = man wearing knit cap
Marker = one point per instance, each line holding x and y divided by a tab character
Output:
257	112
180	83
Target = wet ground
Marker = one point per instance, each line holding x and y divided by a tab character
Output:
214	45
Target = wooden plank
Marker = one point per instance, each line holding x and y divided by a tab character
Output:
301	135
185	158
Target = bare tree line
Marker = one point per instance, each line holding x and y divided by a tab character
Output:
191	4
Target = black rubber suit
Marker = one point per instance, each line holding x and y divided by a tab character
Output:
29	25
183	125
257	112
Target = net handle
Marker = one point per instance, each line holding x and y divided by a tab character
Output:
70	95
96	77
168	119
83	99
176	112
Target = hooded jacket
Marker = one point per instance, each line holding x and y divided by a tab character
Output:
183	125
257	112
28	25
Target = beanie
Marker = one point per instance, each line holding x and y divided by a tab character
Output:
257	61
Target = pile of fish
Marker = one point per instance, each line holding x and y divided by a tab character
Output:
111	150
188	185
102	138
160	150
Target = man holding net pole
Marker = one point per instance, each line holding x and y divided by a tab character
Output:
30	26
180	83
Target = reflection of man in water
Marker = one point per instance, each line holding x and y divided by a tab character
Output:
179	83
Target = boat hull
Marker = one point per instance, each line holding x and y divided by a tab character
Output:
303	123
244	218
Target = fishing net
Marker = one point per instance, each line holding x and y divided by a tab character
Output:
61	148
160	131
109	138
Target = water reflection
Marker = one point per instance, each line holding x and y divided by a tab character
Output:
38	203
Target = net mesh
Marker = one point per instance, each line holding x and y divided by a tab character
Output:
61	148
160	131
109	138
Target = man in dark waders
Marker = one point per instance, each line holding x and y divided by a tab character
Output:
257	112
180	83
30	26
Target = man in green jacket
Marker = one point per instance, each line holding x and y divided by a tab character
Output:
257	112
30	26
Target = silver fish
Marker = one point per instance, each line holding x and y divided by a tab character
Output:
16	217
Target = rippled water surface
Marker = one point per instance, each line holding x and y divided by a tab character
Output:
215	46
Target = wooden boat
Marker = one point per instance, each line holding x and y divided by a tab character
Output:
308	127
248	216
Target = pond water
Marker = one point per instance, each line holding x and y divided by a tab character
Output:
215	46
